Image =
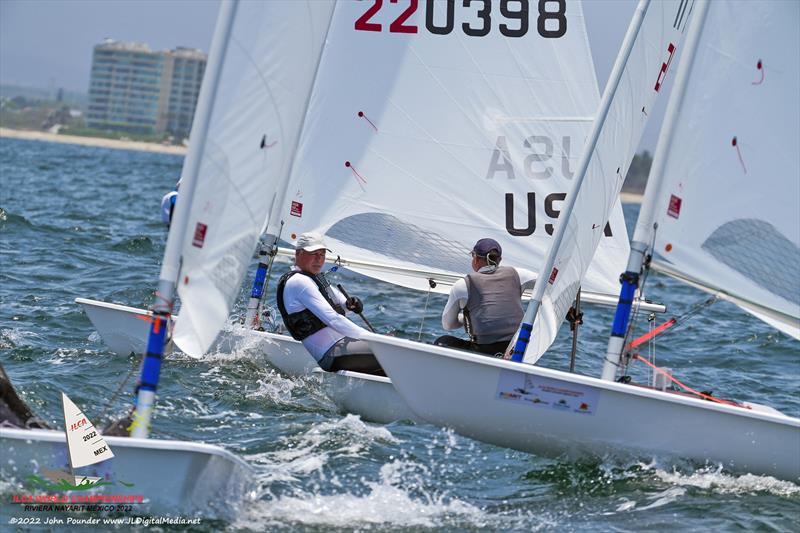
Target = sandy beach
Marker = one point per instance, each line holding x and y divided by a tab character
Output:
626	197
92	141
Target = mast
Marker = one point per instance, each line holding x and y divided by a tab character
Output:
644	224
526	327
170	268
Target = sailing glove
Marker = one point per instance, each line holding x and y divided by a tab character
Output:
354	304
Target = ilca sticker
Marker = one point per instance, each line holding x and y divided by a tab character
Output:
674	209
547	393
199	235
297	209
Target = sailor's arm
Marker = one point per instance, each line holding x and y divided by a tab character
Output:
316	303
338	296
455	302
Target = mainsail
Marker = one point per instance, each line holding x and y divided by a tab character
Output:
642	79
727	214
268	72
423	137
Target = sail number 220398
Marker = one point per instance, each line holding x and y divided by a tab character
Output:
475	17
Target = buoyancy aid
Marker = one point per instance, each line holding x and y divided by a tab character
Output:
304	323
493	305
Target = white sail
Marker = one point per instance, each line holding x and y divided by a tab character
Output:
85	444
727	211
643	76
268	73
421	141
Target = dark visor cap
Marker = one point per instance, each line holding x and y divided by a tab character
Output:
484	246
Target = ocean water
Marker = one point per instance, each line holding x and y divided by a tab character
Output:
84	222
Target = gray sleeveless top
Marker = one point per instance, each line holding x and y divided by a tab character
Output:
494	304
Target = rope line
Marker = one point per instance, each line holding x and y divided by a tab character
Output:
116	394
669	376
431	285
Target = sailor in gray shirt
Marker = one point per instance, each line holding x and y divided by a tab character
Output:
489	300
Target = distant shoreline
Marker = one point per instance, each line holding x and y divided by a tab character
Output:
625	197
92	141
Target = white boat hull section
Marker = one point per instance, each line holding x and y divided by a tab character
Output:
373	398
555	413
174	477
125	329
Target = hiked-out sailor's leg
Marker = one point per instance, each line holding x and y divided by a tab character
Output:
351	354
453	342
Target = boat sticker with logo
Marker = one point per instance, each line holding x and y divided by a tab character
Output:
546	393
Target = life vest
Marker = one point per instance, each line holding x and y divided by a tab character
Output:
304	323
493	305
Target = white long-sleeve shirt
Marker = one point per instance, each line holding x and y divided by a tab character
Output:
451	316
300	292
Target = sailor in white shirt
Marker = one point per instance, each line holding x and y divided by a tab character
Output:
314	312
487	303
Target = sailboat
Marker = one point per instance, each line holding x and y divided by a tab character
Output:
556	413
505	112
169	476
85	446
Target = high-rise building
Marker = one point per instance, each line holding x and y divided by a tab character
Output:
186	67
134	89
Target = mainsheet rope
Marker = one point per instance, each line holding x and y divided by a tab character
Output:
670	377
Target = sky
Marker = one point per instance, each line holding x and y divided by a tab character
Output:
48	43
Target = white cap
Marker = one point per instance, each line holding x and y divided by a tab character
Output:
310	242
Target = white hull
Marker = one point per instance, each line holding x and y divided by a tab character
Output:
490	400
125	329
373	398
174	477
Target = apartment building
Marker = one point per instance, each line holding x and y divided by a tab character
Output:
137	90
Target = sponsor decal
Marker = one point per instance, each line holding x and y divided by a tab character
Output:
199	235
674	209
297	209
547	393
553	276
